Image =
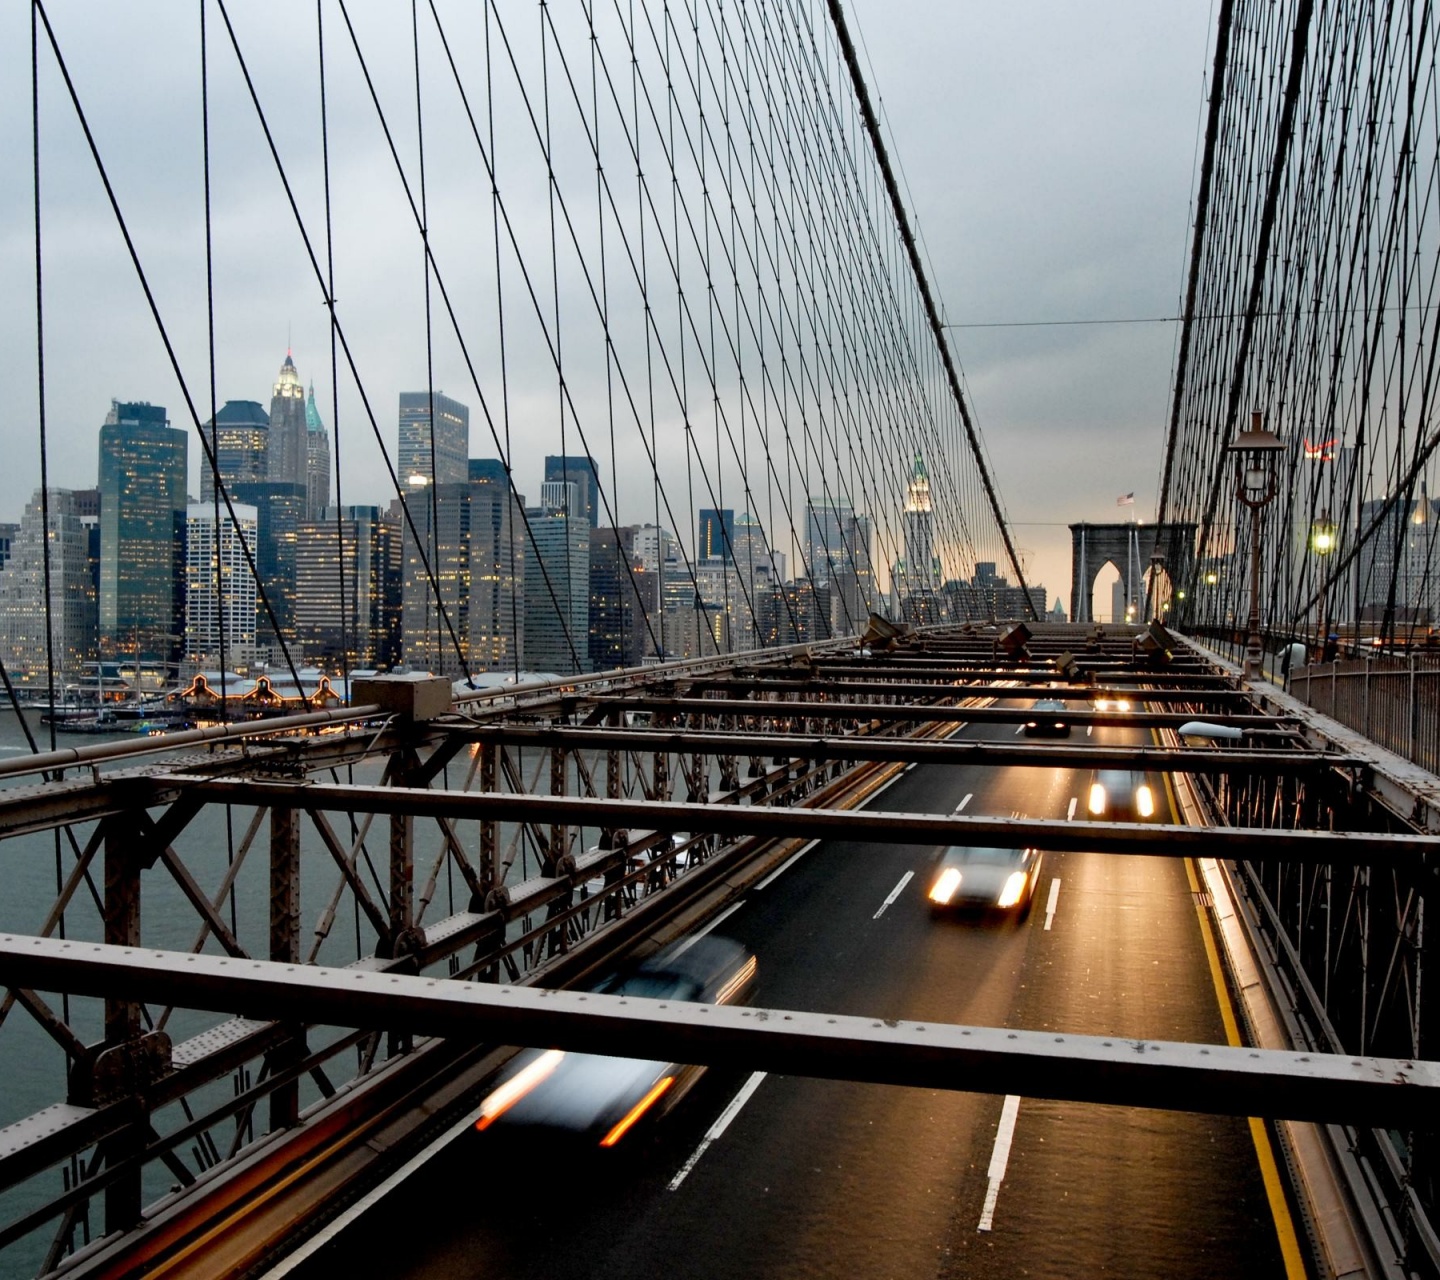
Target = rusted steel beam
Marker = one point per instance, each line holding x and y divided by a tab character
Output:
1401	853
1040	1064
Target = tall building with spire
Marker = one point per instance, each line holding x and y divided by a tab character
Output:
317	460
920	570
289	448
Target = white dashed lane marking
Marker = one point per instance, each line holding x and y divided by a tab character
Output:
894	893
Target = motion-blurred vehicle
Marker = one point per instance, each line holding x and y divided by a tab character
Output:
604	1098
1112	704
1120	795
968	876
1050	720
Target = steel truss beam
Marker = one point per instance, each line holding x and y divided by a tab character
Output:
938	686
1406	854
1160	1074
907	750
836	710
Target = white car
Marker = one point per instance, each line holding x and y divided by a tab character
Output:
983	878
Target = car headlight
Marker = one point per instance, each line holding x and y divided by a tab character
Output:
1013	891
1098	798
1122	704
945	885
1144	801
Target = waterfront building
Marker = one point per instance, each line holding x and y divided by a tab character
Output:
220	592
142	525
581	471
557	582
239	437
346	586
71	609
317	460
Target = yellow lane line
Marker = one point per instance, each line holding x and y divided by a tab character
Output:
1264	1150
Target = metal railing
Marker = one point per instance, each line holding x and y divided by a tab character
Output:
1395	702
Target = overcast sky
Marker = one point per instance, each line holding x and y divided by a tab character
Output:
1048	150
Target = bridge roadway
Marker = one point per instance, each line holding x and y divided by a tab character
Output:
818	1178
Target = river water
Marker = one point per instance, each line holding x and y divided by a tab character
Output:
32	1065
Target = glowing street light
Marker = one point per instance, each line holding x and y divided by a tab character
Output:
1323	541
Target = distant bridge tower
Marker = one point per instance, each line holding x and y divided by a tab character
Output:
1132	549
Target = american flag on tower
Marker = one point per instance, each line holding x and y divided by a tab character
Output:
1125	500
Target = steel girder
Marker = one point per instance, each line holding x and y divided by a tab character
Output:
1162	1074
1406	854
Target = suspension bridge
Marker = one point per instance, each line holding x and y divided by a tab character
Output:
604	881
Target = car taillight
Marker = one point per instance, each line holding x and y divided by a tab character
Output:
1144	801
638	1110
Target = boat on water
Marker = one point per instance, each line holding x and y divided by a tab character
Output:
120	719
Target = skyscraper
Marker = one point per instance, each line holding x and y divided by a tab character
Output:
223	606
142	518
289	444
921	571
497	569
345	589
436	633
317	460
451	441
240	440
279	512
830	537
557	582
71	612
716	534
581	471
623	596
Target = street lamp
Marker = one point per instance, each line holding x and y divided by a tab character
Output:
1322	543
1257	454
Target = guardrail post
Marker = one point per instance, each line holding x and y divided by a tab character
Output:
489	830
123	863
559	832
1414	714
285	947
402	876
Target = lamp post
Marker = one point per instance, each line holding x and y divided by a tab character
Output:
1322	543
1257	454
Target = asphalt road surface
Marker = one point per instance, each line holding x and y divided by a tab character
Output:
818	1178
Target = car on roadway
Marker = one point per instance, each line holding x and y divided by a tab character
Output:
1112	704
984	879
1050	720
1120	795
603	1098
